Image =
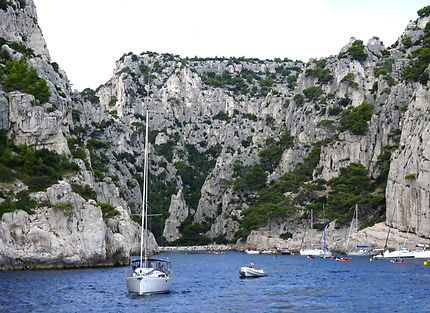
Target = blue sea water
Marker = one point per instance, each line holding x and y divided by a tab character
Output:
204	282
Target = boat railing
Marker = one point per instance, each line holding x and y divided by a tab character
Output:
155	264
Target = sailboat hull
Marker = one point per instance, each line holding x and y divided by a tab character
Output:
148	285
361	253
397	254
424	254
316	252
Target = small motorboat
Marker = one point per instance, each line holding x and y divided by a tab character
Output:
251	272
252	252
397	261
310	257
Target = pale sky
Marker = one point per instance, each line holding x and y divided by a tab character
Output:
86	37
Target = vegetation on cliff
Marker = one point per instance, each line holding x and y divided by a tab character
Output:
38	169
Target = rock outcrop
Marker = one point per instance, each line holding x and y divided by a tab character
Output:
212	123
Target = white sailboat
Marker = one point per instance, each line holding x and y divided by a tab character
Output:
326	252
402	252
423	251
147	275
312	250
359	250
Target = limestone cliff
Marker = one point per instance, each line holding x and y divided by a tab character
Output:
61	229
241	149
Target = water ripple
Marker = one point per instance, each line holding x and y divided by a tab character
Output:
211	283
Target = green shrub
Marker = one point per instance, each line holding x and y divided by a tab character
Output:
252	178
85	192
108	210
16	75
6	174
352	186
410	177
298	99
96	144
424	11
356	119
90	95
37	169
23	203
334	110
286	235
407	42
166	150
404	108
324	75
313	92
356	51
221	116
415	70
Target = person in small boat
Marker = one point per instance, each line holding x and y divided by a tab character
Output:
251	265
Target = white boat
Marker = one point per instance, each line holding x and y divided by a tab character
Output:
251	272
311	251
403	253
252	252
146	275
154	277
361	252
266	252
326	252
423	251
422	254
358	250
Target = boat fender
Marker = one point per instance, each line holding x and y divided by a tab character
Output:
425	263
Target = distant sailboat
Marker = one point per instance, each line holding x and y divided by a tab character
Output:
423	252
147	275
312	250
359	250
326	252
402	252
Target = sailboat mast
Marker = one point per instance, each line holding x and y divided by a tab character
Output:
144	225
312	219
324	226
145	176
397	221
356	223
416	220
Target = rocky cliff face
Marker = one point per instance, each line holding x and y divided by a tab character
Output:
62	229
224	135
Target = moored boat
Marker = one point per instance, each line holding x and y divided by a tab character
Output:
252	252
154	277
422	254
147	275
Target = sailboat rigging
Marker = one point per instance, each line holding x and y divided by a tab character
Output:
402	252
313	251
147	275
359	250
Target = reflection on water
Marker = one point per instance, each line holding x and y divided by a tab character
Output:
204	282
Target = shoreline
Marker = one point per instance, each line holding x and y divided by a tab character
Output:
195	248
